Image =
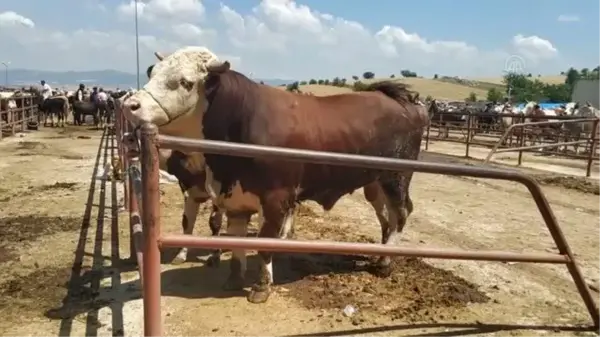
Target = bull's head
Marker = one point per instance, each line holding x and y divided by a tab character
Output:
175	88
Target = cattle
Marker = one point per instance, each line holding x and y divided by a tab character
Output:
574	131
193	94
54	106
445	115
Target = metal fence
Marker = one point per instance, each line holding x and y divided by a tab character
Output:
142	182
13	120
512	138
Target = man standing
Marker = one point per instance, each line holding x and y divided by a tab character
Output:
77	116
46	90
102	106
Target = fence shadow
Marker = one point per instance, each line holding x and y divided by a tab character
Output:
459	329
84	287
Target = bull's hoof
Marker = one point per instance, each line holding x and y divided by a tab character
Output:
381	270
179	259
258	296
234	283
214	261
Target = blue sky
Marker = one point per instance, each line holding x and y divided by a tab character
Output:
279	38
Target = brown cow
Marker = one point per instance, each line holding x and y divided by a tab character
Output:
193	94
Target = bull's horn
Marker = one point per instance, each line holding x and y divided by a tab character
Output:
159	56
218	66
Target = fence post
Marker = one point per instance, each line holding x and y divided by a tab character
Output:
24	110
592	149
11	121
521	141
151	223
468	144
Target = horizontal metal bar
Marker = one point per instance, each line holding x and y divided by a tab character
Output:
342	159
330	247
545	145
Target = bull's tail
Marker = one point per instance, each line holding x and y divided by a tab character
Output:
400	93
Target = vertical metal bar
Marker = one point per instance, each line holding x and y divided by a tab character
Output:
521	141
469	121
592	149
151	225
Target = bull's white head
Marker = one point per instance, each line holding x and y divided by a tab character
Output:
175	88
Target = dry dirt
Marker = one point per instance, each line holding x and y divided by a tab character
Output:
64	245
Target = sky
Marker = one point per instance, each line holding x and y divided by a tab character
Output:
307	39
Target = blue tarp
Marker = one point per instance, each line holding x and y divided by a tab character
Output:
543	105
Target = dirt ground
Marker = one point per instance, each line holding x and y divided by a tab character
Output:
64	245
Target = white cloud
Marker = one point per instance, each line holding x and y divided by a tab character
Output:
8	19
276	39
155	10
534	47
568	18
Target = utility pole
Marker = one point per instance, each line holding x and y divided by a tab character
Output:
137	47
5	64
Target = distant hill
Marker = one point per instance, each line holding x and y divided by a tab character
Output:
103	78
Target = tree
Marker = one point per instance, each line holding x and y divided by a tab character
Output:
529	75
435	77
312	81
429	98
368	75
359	86
392	76
326	82
354	77
472	97
572	77
408	73
303	83
494	95
336	82
321	82
293	87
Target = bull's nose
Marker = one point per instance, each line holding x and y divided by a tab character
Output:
132	104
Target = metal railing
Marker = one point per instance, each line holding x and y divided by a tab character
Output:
13	120
509	131
148	251
470	128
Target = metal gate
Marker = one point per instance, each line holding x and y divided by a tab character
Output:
147	244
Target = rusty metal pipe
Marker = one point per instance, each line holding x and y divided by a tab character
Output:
332	158
543	146
331	247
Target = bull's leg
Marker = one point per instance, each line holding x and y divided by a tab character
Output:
277	209
215	222
237	225
188	220
393	194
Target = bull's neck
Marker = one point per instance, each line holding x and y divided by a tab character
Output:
188	126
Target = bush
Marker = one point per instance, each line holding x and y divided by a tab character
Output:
472	97
495	95
312	81
368	75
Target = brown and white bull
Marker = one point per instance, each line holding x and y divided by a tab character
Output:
193	94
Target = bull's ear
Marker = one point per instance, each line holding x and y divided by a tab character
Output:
149	71
218	66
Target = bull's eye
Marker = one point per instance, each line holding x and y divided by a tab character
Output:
188	85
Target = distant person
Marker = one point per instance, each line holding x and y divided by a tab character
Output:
94	94
101	103
46	90
80	93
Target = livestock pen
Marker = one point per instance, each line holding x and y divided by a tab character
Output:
17	114
548	138
146	239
